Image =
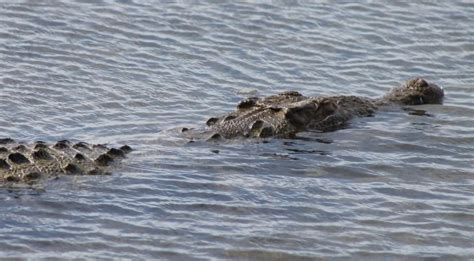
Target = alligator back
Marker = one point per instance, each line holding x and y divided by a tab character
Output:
20	162
280	115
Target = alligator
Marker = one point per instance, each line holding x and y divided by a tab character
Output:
282	116
285	114
28	163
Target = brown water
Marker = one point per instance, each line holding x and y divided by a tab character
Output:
396	186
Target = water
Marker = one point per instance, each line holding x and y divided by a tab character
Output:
396	186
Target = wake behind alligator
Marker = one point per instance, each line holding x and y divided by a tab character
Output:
282	116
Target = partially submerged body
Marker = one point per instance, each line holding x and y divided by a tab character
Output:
285	114
29	162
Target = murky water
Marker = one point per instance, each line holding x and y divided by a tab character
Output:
398	186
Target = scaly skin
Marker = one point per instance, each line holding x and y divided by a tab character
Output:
30	162
285	114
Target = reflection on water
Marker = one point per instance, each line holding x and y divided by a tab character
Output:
398	185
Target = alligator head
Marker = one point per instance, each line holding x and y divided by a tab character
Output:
416	92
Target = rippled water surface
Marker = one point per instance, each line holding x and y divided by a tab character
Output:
398	185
